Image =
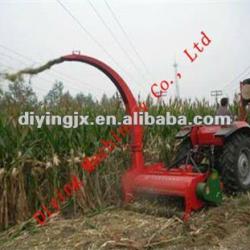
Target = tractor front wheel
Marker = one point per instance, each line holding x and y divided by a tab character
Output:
235	163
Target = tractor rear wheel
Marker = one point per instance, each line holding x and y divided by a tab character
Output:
235	163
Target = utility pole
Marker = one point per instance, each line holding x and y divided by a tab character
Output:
216	94
177	90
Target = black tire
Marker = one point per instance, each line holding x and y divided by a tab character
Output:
235	163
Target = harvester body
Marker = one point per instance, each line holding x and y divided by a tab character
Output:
195	182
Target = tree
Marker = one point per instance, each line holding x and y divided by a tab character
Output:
54	95
84	100
21	94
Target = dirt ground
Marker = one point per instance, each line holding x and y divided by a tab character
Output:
139	227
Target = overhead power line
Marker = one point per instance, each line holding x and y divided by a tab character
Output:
115	38
6	66
237	77
127	37
91	36
86	31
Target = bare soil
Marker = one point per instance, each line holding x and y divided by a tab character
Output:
139	226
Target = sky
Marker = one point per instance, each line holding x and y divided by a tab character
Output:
34	31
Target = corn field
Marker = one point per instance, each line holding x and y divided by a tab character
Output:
35	162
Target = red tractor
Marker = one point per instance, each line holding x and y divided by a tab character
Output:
209	159
226	148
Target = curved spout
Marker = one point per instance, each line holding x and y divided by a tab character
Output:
129	101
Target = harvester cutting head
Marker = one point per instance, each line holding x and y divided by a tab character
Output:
196	188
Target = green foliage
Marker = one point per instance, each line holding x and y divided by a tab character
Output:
48	156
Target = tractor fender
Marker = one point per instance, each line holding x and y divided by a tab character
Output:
236	127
